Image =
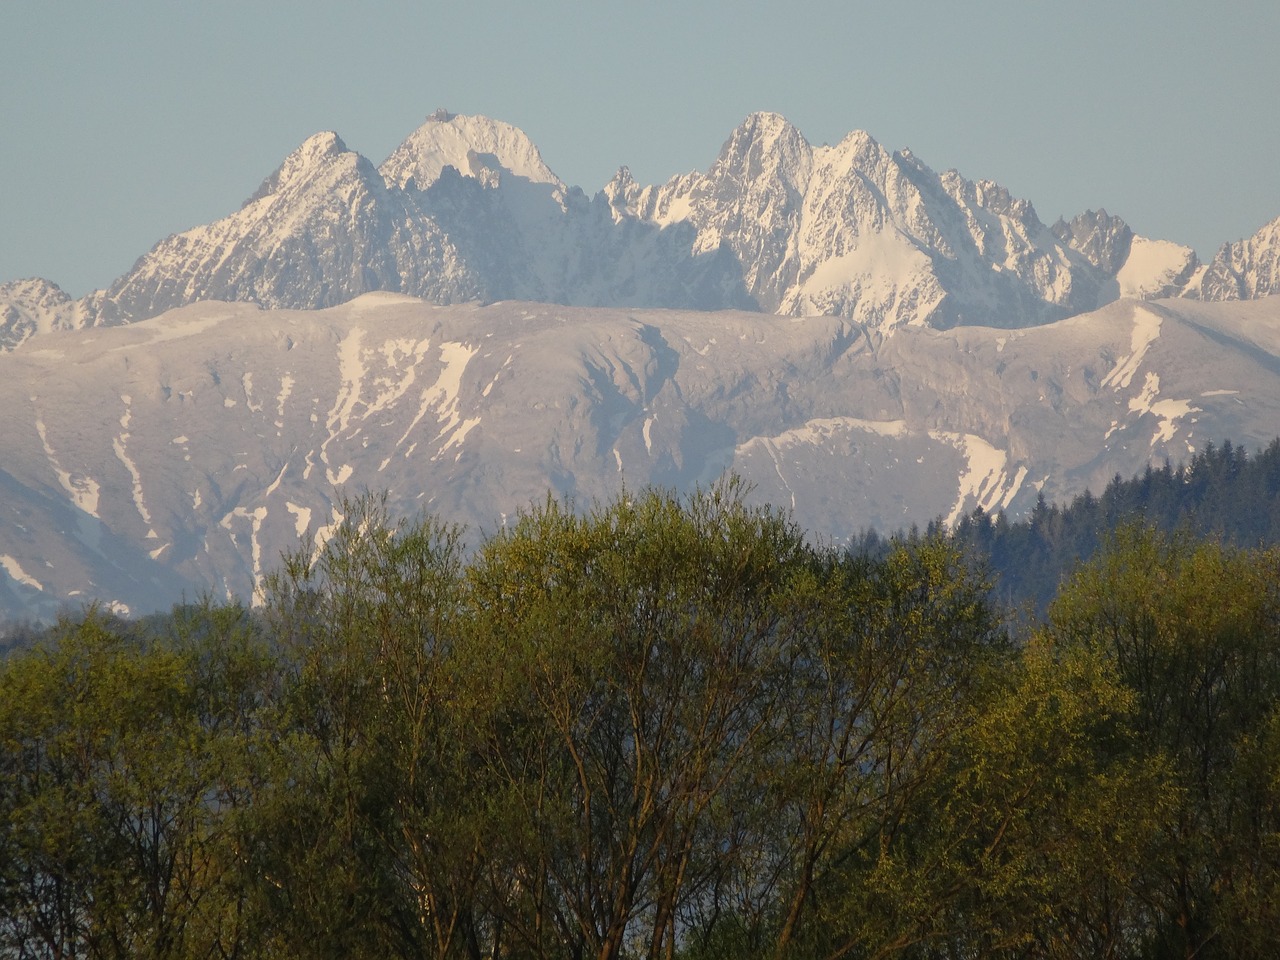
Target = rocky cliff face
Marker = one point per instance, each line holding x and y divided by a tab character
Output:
30	307
1244	270
320	230
856	231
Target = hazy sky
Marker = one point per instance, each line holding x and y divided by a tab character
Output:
126	121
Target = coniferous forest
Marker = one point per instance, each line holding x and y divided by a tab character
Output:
1221	493
674	728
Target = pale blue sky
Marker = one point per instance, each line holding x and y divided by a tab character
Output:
123	122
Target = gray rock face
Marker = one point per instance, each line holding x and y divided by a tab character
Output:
1103	240
181	454
466	210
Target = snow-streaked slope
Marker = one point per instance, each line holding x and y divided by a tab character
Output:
183	453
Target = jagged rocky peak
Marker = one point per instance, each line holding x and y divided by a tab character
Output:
321	229
765	145
32	306
1099	237
621	192
857	157
998	200
318	152
859	150
988	196
465	208
464	143
1244	270
36	292
623	182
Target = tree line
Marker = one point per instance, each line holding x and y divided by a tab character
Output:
1222	492
664	728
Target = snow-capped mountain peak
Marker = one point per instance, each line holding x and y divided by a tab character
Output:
1244	270
462	142
33	306
321	229
764	146
317	152
466	209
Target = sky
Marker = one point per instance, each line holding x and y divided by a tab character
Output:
124	122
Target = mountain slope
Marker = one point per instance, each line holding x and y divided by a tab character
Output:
183	453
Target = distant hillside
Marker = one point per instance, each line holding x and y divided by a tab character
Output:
1223	493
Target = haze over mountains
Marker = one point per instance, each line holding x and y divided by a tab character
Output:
866	340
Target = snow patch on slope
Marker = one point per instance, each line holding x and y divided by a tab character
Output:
83	490
1168	412
255	518
351	371
15	572
986	480
817	432
443	395
1146	329
120	444
822	429
301	518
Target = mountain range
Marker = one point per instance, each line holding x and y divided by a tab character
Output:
466	210
868	342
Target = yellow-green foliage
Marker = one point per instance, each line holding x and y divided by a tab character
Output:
663	727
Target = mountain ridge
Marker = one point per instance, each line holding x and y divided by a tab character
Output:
466	209
181	454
